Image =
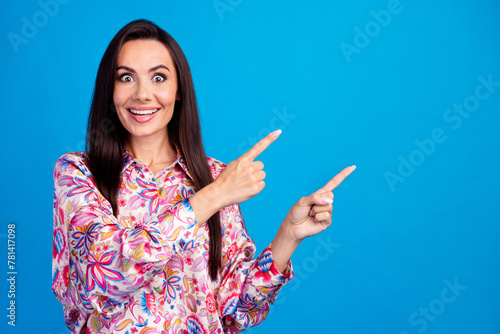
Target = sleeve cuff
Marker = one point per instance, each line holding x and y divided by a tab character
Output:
267	279
180	228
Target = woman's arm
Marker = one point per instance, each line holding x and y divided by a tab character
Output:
246	287
308	217
100	261
243	178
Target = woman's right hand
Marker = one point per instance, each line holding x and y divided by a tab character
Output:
241	180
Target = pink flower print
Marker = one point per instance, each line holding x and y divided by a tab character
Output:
194	325
156	196
85	236
97	273
266	267
171	284
59	245
82	187
230	304
210	303
231	252
148	303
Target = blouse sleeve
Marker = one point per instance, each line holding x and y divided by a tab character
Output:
247	286
99	262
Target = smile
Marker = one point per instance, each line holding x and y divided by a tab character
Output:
143	112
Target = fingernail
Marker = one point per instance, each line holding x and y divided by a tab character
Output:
327	200
276	133
354	166
311	213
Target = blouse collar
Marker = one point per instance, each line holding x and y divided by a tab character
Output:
128	159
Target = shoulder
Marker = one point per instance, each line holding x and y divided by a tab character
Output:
216	166
71	162
72	157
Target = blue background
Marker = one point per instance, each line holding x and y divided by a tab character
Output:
394	246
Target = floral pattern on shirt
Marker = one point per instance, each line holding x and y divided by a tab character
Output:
146	271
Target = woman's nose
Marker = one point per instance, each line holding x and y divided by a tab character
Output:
142	93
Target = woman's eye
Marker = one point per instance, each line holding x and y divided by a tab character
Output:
126	78
158	78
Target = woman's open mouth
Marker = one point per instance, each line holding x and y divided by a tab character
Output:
143	115
143	112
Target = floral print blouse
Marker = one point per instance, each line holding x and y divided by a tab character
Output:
146	271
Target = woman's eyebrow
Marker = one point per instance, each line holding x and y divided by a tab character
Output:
126	68
158	67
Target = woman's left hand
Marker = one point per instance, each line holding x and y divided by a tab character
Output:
313	214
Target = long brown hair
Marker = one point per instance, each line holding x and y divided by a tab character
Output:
106	134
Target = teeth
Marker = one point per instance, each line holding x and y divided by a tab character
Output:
143	112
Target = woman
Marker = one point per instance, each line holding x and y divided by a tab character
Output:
148	235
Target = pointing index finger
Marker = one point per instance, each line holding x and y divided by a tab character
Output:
337	179
261	145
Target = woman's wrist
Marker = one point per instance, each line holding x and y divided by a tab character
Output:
206	202
283	246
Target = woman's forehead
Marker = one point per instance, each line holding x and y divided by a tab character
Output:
144	54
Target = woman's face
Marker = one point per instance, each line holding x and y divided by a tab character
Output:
145	89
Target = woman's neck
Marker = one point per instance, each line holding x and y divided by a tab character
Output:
152	151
